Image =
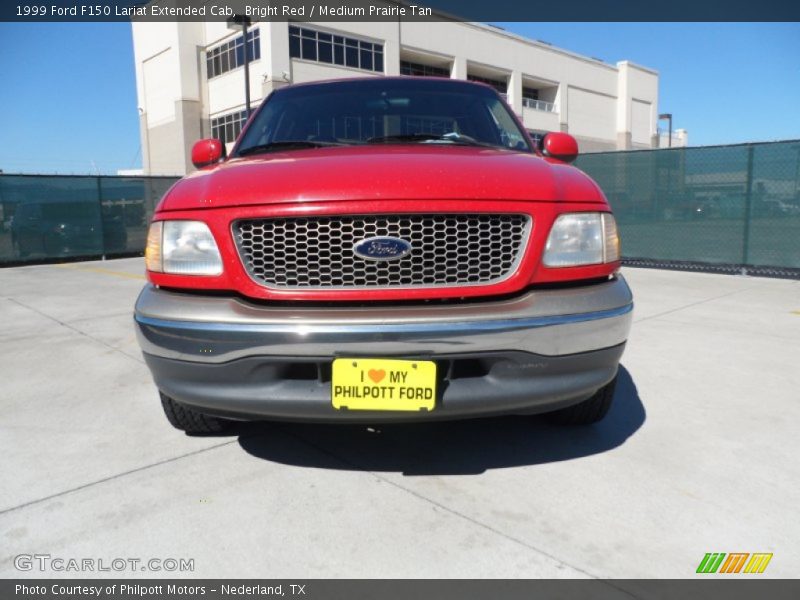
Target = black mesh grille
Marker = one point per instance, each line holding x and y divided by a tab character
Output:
446	250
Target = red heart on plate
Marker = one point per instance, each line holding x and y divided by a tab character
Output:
376	375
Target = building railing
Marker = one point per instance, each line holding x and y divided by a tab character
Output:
538	105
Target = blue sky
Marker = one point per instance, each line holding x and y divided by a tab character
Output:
68	94
67	98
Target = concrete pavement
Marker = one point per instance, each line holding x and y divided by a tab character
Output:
699	454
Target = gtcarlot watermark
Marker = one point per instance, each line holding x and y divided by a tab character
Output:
60	564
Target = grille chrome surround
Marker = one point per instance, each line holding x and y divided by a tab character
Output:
448	250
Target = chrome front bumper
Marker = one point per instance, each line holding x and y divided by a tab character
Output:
532	353
220	329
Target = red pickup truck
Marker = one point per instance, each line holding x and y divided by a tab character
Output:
383	249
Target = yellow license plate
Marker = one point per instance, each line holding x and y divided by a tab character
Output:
383	384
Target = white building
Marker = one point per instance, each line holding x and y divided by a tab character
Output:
190	78
679	139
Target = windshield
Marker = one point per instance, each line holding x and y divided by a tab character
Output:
380	111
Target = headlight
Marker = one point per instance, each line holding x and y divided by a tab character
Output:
182	248
582	239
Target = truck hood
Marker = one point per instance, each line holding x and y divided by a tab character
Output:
391	172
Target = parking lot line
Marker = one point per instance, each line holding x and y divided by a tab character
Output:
103	271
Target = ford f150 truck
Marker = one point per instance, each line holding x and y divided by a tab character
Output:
383	249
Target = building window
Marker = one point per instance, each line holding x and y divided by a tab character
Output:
230	55
537	137
420	70
310	44
500	86
530	93
228	127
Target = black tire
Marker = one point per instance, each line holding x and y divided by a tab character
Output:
192	422
589	411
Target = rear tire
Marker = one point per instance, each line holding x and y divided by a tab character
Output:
589	411
192	422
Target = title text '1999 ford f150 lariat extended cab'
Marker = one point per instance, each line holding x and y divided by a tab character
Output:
383	249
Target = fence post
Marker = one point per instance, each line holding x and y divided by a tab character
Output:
748	209
102	224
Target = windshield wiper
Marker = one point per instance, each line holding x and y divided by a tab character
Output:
452	137
284	145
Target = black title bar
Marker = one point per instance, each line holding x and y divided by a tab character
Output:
406	10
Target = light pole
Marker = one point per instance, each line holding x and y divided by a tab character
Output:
234	23
796	198
667	116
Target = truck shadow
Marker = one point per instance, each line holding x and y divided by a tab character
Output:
448	448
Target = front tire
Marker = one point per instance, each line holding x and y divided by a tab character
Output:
589	411
192	422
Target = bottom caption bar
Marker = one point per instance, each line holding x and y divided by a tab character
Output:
407	589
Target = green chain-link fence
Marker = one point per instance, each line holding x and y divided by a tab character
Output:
721	208
52	217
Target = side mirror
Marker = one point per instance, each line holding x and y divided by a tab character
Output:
561	146
207	152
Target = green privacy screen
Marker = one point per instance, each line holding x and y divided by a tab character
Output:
729	208
51	217
736	208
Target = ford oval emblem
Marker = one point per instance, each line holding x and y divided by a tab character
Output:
382	248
